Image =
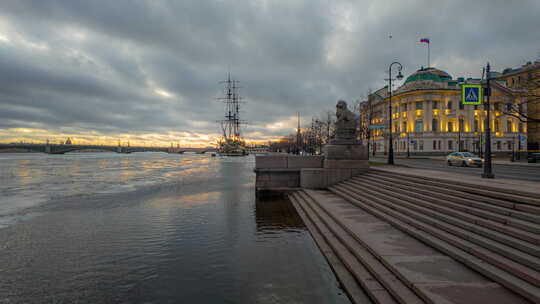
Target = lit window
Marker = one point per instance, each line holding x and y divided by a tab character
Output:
419	126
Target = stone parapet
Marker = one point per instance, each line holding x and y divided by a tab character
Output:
345	152
340	163
313	161
277	178
313	178
271	161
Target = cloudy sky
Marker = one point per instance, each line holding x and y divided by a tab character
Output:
149	71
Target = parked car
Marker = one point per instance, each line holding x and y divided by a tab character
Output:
533	157
464	159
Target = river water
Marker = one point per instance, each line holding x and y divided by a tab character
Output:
150	228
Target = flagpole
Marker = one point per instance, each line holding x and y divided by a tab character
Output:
428	53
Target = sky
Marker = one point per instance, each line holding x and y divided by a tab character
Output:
149	72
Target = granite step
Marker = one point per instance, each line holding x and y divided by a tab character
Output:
503	224
486	192
354	291
363	277
450	222
502	270
394	286
435	277
477	202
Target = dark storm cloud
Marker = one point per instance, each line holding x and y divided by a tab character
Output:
155	66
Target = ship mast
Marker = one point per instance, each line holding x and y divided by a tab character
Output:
231	124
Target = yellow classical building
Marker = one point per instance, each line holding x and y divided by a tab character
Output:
428	117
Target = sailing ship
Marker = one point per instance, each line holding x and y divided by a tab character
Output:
231	142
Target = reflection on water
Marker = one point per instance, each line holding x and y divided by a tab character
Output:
152	228
276	214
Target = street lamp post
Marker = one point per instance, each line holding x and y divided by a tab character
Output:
487	164
390	140
459	134
513	157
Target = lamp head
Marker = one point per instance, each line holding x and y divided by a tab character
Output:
399	76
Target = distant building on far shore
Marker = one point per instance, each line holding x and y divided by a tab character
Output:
68	141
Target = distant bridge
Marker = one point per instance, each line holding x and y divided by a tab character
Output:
62	148
180	150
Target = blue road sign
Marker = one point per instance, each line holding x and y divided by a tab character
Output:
471	94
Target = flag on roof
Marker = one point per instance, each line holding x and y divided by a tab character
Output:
426	40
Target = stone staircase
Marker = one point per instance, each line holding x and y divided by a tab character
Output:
476	244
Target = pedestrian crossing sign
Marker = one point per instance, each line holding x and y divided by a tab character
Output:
471	94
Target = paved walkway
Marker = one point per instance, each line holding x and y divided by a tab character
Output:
496	161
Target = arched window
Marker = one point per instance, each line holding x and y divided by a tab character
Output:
509	126
476	125
497	126
435	125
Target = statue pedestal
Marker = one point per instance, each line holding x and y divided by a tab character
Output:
344	159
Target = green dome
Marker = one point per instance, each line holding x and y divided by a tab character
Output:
429	74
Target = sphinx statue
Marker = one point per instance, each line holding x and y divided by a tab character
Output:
345	126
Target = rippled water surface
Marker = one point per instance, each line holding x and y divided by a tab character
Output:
150	228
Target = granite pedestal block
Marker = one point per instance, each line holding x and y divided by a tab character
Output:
345	152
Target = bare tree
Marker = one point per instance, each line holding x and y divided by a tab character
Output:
528	95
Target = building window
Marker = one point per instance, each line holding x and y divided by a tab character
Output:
404	127
421	145
497	127
509	126
498	144
419	126
497	106
450	145
434	125
434	145
419	105
440	144
476	107
461	125
434	104
450	127
508	107
476	125
461	105
449	105
509	144
520	127
415	146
